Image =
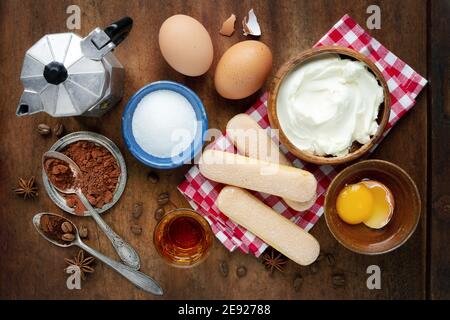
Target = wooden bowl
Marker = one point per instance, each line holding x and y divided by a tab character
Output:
357	150
360	238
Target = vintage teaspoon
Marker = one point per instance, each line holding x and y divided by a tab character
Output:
138	278
128	255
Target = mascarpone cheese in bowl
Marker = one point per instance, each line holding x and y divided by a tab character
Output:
327	103
330	105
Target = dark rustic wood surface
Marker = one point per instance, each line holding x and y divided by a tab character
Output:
32	268
439	218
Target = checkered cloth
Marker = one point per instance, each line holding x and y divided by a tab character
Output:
404	85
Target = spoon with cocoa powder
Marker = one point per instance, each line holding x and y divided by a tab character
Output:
56	229
65	175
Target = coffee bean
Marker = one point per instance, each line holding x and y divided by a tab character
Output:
164	194
43	129
163	201
163	198
159	213
298	282
223	267
137	209
153	177
331	260
136	229
69	237
241	271
58	129
67	227
338	280
83	232
314	268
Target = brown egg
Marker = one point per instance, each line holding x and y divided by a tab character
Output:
186	45
243	69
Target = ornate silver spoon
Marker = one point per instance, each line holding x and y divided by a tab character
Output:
138	278
126	253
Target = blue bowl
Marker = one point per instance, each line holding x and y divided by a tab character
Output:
183	157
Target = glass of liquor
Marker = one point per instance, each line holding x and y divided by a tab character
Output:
183	238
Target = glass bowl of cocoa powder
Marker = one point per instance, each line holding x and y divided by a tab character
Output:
103	167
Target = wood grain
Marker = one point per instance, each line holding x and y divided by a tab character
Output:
31	268
439	260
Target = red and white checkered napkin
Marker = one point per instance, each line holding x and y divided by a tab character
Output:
404	84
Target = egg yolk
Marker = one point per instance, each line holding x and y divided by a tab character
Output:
355	203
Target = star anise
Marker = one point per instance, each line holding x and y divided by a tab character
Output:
274	261
83	263
27	188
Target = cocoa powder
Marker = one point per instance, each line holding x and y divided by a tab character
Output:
100	174
59	173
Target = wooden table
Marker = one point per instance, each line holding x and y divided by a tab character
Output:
31	268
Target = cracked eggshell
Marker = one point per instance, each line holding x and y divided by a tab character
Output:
228	26
250	25
243	69
186	45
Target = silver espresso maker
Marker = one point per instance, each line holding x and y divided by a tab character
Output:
66	75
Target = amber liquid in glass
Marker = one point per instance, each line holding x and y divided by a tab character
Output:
183	238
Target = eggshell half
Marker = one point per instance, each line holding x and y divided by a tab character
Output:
380	218
243	69
186	45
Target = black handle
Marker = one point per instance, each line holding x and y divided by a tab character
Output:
119	30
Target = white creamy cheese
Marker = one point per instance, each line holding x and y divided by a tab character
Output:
327	103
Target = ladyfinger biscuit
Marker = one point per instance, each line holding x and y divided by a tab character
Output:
258	175
280	233
254	142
